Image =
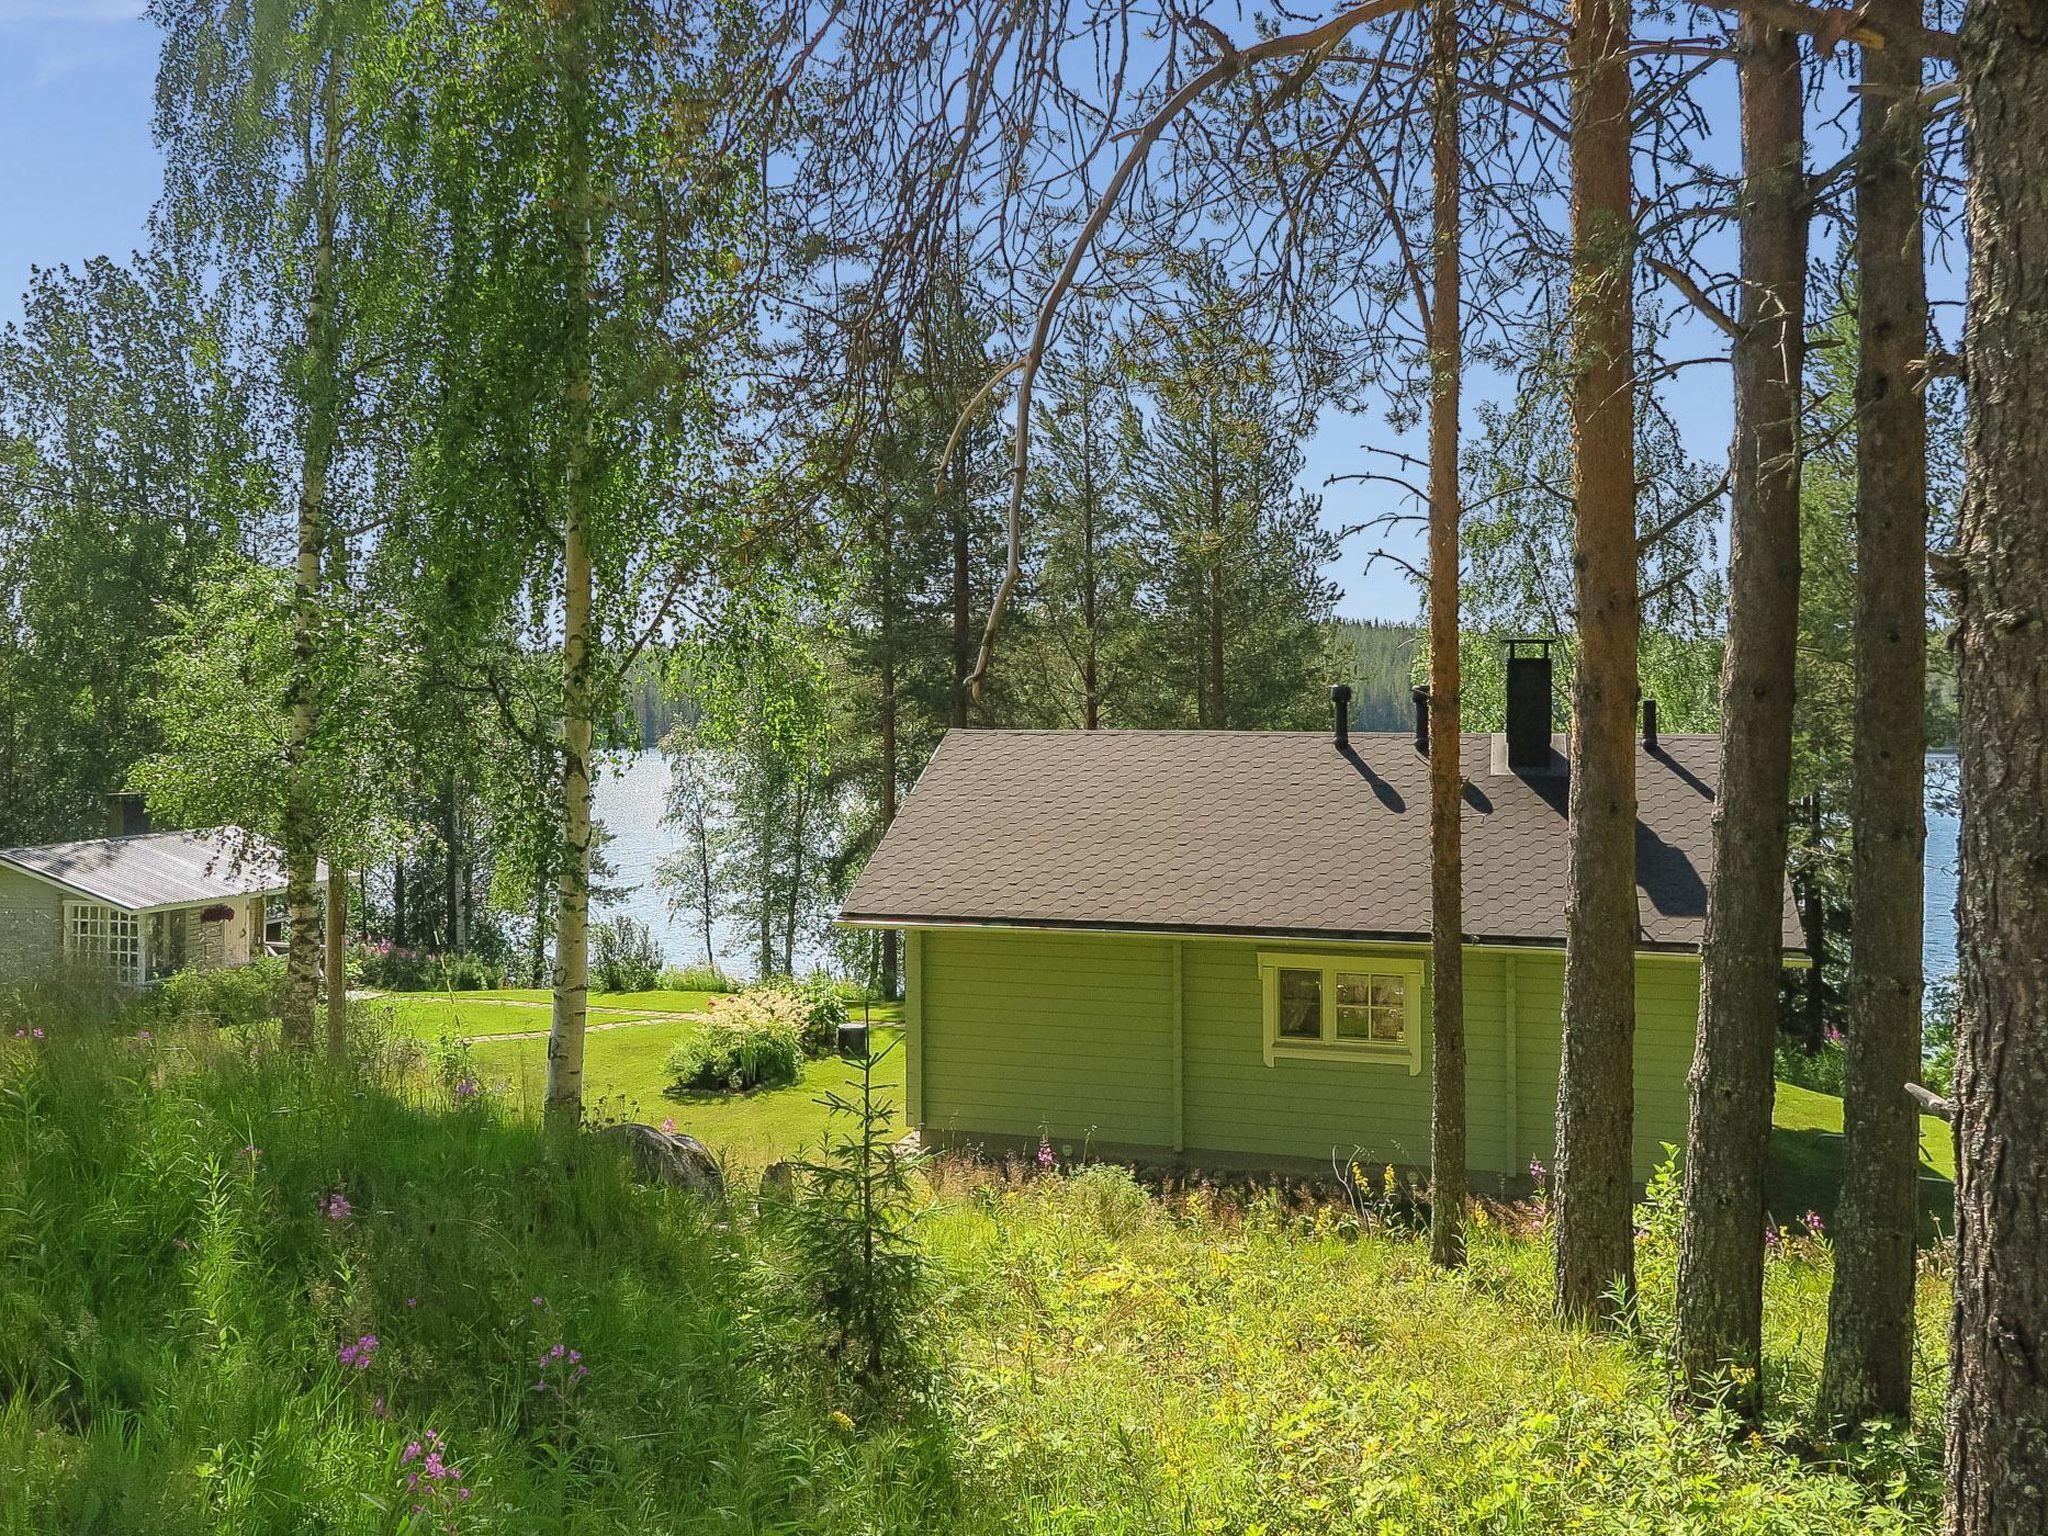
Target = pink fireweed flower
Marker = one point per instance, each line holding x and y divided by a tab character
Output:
337	1207
1045	1157
669	1125
467	1088
1813	1224
360	1353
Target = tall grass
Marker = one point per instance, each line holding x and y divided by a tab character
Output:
238	1286
196	1235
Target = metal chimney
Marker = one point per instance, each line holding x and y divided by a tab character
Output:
1649	725
1528	705
1421	696
1340	699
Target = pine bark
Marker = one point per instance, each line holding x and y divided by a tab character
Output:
1868	1367
1447	1130
1595	1273
1721	1246
564	1097
1998	1374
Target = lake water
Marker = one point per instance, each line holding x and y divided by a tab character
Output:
632	798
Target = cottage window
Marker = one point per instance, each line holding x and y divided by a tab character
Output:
99	935
1349	1007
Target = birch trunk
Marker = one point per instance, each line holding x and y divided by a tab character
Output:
1447	1149
300	829
1595	1274
1998	1374
564	1100
1868	1368
1721	1246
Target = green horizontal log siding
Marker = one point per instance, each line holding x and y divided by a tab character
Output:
1074	1035
1667	1013
1068	1034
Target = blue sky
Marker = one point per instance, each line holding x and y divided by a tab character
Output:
80	172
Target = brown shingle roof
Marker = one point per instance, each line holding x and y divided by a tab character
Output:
1265	833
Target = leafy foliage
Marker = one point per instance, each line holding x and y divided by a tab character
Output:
231	995
742	1046
623	956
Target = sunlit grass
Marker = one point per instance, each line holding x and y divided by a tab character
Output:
1109	1360
430	1016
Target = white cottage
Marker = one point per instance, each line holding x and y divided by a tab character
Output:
143	905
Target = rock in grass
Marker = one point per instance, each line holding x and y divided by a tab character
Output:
668	1157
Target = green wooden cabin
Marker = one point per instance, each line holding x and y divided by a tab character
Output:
1213	946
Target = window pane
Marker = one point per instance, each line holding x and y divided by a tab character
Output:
1372	1007
1301	1006
1354	1006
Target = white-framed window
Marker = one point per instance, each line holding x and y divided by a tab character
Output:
1342	1007
95	934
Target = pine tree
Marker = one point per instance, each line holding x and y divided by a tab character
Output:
1235	551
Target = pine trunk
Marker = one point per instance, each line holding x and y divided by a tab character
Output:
1596	1074
1868	1368
1721	1246
1447	1150
1998	1374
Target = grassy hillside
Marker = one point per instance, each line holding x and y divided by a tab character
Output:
199	1234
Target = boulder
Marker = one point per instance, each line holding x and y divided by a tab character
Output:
778	1183
668	1157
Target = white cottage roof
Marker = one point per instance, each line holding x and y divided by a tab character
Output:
160	869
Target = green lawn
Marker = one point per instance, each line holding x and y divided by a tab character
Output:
625	1077
1807	1151
429	1016
656	1000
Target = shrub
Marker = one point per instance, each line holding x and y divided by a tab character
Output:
382	964
243	994
697	978
738	1050
623	956
813	1017
1821	1070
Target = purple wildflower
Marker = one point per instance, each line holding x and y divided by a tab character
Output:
35	1034
669	1125
1045	1158
360	1353
337	1207
1813	1224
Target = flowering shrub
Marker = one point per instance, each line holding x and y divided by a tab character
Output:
383	964
812	1010
738	1048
